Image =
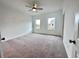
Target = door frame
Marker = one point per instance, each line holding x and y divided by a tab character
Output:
1	47
75	36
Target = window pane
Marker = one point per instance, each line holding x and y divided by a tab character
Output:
37	24
51	23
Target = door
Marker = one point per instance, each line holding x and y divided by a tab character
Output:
75	48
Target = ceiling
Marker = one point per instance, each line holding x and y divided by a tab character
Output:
47	5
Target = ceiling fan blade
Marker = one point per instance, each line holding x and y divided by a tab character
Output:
39	8
29	6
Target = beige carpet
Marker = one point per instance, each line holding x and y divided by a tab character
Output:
35	46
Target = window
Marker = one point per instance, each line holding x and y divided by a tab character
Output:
37	22
51	23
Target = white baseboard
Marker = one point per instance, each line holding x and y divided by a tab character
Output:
9	38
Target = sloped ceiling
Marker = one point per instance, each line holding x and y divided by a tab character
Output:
47	5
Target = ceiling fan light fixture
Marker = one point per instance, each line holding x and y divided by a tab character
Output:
33	9
34	5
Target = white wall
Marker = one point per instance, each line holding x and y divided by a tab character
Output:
78	29
14	23
44	23
70	9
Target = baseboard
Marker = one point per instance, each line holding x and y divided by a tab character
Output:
49	34
9	38
6	39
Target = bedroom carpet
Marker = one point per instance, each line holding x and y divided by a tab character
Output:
35	46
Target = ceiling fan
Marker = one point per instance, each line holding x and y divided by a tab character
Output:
34	5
